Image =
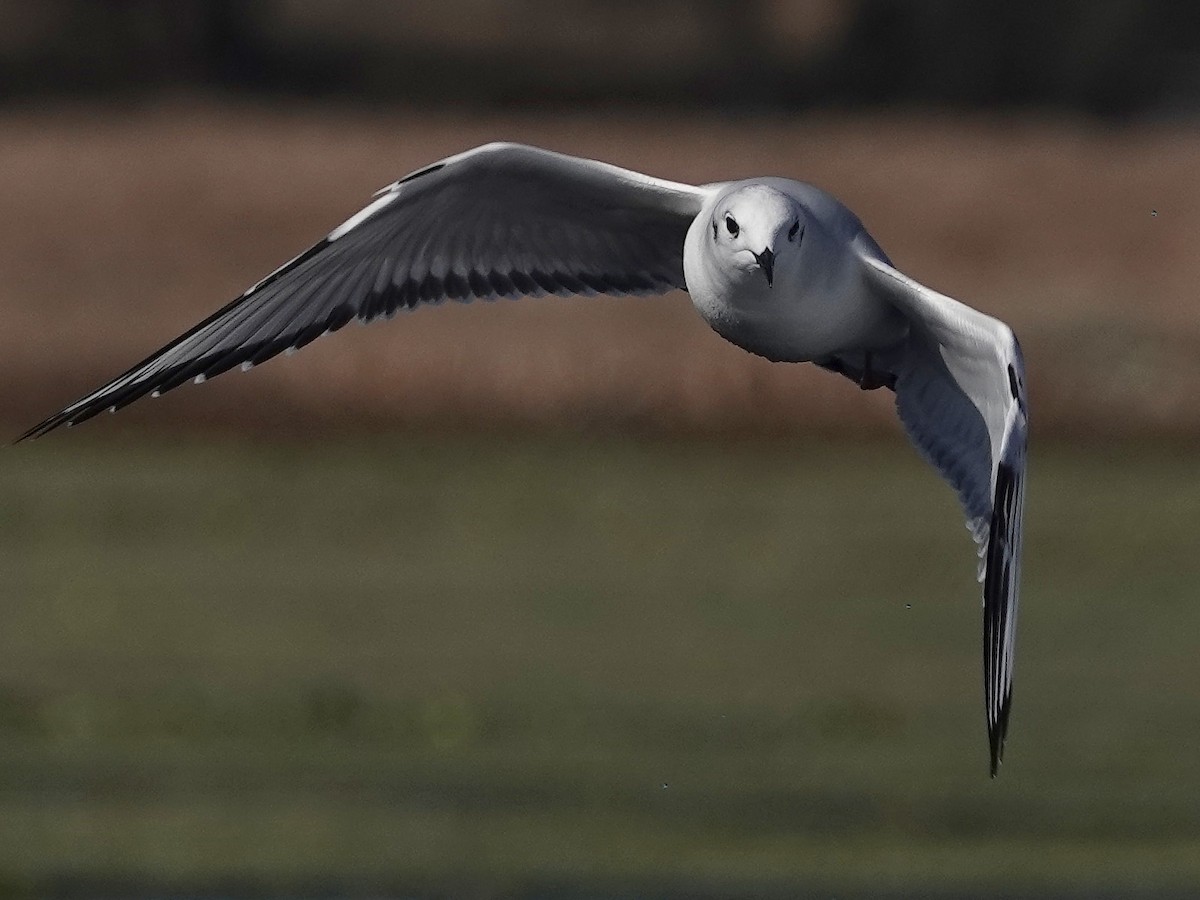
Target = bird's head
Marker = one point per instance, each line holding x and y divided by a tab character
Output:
758	229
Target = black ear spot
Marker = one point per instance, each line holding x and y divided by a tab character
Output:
714	229
794	230
1012	382
731	226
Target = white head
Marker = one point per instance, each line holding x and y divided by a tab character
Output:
757	228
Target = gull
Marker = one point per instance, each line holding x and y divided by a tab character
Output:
777	267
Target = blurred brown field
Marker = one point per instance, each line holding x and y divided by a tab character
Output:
124	226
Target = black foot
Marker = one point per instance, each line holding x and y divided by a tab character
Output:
871	380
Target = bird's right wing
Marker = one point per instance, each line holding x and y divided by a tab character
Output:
960	392
501	220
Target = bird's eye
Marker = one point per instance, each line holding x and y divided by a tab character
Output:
794	230
731	226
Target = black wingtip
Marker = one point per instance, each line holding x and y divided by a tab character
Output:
38	430
997	732
998	606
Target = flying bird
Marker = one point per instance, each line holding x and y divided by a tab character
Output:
778	267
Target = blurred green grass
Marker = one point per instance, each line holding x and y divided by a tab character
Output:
432	661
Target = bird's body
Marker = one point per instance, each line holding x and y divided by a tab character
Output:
778	267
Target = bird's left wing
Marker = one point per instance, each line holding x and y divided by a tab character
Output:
960	392
501	220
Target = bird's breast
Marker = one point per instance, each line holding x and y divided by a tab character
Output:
805	315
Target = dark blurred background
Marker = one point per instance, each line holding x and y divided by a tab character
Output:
569	598
1108	58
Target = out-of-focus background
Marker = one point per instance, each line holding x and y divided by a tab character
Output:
571	598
